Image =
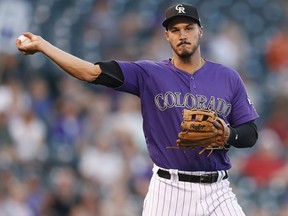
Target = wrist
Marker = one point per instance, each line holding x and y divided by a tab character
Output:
227	134
233	136
43	46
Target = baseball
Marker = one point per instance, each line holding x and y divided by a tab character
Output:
23	39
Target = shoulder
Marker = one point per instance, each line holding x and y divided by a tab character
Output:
145	65
145	62
220	67
149	63
222	70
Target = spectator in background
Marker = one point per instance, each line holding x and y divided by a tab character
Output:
29	135
267	161
15	202
129	114
36	193
7	151
229	46
89	203
277	121
283	210
100	162
67	125
66	128
137	168
95	117
14	98
63	193
277	51
15	17
102	17
155	47
41	99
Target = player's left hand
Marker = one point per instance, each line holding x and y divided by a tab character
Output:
222	129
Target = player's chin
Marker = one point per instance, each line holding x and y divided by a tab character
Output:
185	53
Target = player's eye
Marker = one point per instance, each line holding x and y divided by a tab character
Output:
174	30
189	28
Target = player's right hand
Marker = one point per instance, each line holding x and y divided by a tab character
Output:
31	46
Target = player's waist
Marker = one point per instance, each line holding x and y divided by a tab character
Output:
193	177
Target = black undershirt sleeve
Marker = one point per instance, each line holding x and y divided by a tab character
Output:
243	136
111	75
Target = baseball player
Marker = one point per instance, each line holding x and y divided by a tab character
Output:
185	181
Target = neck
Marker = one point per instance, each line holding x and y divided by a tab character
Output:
189	65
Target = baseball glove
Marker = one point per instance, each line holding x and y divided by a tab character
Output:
202	128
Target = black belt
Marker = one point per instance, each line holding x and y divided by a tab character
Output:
204	178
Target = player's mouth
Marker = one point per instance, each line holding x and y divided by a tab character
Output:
181	43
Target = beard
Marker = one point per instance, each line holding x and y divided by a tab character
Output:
186	53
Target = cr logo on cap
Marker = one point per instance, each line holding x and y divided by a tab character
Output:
180	8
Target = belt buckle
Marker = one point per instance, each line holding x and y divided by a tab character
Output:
202	179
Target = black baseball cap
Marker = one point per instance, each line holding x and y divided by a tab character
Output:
181	10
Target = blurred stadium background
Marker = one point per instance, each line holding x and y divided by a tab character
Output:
57	152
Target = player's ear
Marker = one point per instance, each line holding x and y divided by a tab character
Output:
167	36
201	30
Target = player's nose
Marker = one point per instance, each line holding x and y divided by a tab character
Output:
183	34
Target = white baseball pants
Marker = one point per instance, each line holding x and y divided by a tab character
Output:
171	197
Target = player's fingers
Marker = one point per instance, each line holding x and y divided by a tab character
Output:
22	49
28	35
18	42
217	124
219	127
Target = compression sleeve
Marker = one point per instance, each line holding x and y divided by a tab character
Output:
111	75
243	136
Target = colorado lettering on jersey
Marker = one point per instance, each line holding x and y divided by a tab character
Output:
191	101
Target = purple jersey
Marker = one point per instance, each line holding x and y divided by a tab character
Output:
165	91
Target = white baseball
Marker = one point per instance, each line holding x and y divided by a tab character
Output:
23	39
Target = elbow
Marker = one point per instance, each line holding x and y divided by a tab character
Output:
244	136
252	140
89	79
90	74
254	136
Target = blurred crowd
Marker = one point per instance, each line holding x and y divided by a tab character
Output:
71	148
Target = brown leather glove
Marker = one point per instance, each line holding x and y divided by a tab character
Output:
202	128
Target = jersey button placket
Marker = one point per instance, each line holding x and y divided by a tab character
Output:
192	83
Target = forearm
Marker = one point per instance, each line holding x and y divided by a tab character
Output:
243	136
30	44
73	65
